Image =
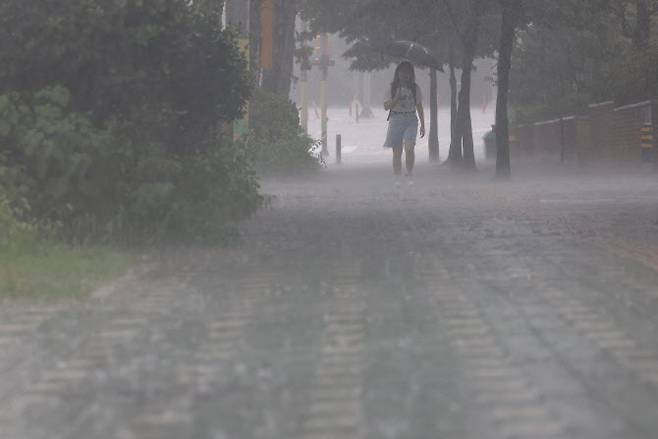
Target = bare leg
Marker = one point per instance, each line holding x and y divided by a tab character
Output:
410	156
397	160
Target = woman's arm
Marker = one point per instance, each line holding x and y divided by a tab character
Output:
389	104
391	101
421	116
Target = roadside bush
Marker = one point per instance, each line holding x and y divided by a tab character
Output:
198	198
14	234
276	143
59	161
98	184
110	120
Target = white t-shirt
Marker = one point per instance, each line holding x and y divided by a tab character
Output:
406	102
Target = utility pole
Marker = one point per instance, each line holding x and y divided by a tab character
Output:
237	17
267	8
433	140
324	62
303	92
303	86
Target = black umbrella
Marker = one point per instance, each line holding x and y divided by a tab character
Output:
407	50
413	52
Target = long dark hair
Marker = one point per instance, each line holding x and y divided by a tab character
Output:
395	85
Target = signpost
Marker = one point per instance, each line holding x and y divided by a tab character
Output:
305	67
324	62
303	98
647	142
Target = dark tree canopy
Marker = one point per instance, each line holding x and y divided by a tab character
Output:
122	58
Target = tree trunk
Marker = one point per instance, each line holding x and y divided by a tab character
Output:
455	152
286	45
360	82
642	35
279	79
433	140
453	100
511	16
467	136
464	125
464	133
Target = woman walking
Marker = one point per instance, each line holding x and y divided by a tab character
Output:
404	100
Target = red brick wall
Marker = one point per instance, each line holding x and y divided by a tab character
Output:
524	144
584	145
601	116
605	133
551	138
625	133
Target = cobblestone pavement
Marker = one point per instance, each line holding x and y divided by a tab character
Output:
455	308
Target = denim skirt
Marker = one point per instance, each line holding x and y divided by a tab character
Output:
402	127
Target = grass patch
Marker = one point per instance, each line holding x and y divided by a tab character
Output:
55	271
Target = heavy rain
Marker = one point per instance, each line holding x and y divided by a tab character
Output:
328	219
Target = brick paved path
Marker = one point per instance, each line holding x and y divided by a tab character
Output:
454	308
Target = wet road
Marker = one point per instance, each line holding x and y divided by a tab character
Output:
453	308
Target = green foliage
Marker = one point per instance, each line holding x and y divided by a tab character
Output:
575	53
435	24
635	75
203	195
57	157
101	184
110	119
277	144
33	265
160	66
14	233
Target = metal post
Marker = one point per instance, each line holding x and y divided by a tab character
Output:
339	149
303	92
367	92
562	143
305	66
433	139
324	62
324	65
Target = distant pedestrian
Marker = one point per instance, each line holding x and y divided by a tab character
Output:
404	101
489	139
355	107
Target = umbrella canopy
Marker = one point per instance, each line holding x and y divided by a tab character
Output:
408	50
413	52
